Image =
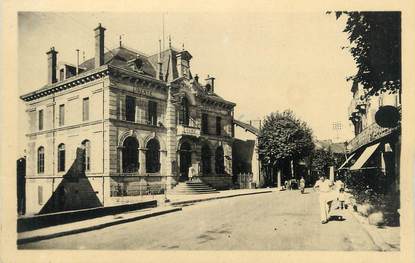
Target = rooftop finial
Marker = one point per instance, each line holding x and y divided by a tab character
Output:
120	40
159	50
183	46
169	41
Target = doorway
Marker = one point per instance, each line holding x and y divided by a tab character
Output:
185	156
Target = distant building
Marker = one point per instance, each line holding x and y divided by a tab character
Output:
122	123
329	145
245	152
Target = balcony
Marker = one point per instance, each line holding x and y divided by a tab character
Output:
187	130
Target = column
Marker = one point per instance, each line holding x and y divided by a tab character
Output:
163	155
171	140
227	152
142	160
119	149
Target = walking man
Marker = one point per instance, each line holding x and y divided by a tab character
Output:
302	185
324	187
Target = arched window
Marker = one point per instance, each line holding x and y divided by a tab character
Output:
219	161
41	160
206	155
130	155
153	156
87	147
61	157
184	112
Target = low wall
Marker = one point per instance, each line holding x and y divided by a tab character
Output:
46	220
218	182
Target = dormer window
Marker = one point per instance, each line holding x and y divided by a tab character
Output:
136	64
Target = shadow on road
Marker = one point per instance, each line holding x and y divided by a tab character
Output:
337	218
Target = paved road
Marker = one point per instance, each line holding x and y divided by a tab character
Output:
274	221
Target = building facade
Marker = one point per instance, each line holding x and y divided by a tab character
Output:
245	159
374	152
123	124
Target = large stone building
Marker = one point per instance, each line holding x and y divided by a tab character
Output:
120	124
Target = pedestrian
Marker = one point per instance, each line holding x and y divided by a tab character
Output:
192	173
302	185
286	184
342	198
324	187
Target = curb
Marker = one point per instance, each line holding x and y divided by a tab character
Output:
376	238
177	203
95	227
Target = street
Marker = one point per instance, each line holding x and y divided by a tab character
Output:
273	221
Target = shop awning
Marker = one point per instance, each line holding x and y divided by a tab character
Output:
364	157
347	161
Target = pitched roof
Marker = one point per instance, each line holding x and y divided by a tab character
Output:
120	57
246	126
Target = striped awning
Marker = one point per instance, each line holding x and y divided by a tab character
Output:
367	153
347	161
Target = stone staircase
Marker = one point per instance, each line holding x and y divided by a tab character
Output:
192	188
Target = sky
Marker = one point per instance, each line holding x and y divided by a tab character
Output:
264	62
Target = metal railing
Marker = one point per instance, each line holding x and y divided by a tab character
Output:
245	181
134	185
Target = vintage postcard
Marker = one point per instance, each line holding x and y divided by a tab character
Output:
196	131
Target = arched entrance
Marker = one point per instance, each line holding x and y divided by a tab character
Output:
153	156
219	161
185	156
205	156
130	155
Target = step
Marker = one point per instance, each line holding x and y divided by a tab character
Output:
192	187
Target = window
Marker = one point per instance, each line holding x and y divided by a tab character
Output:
87	161
41	160
184	112
61	157
85	109
218	125
153	156
152	112
129	108
61	114
130	155
40	120
205	124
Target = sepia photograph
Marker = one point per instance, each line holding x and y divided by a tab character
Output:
210	131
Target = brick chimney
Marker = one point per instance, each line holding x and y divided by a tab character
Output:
99	46
210	84
52	63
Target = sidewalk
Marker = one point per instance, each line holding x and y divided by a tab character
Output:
386	238
177	200
91	224
110	220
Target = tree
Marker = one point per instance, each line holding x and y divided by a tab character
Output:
283	138
375	39
321	160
